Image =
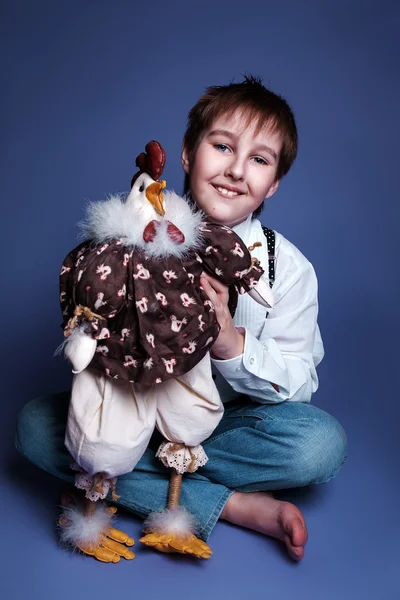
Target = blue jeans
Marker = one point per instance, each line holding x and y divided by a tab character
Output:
256	447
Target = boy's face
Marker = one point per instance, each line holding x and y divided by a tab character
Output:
233	169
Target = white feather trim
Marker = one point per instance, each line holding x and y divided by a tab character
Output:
78	330
79	349
60	348
81	530
115	219
176	520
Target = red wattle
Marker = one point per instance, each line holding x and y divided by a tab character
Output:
150	231
175	234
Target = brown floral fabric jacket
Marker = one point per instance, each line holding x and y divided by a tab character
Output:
153	320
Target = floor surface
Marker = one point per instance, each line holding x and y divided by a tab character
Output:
352	552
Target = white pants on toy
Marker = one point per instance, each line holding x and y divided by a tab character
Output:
110	421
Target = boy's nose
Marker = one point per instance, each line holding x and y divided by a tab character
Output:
235	169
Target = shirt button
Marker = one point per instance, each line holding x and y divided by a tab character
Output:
237	369
251	361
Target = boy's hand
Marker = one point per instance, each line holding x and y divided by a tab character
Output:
230	342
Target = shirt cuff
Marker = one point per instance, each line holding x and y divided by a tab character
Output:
233	368
240	366
259	364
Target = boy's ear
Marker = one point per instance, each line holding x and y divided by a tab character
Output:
185	160
273	188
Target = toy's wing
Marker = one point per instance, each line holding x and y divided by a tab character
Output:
225	256
67	276
262	293
94	285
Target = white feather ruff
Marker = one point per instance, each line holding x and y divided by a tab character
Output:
60	348
80	330
81	530
116	219
176	520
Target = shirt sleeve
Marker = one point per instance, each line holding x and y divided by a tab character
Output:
283	353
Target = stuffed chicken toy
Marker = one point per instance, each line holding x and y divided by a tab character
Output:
139	329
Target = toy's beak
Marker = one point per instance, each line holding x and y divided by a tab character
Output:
155	196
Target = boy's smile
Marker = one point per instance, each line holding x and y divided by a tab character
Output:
233	169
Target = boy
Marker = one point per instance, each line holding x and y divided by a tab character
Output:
240	141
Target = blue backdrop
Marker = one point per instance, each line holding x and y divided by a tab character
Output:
87	83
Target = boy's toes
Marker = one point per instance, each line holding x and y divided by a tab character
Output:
296	552
296	538
298	533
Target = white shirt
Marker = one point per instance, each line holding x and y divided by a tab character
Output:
284	348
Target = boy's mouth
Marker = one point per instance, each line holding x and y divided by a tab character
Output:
227	193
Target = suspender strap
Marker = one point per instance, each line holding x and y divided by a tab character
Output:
270	235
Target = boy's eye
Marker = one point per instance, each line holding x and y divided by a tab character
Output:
259	160
221	147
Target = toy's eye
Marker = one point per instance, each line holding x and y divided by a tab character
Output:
141	189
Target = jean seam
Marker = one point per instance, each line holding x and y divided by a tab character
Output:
205	531
251	414
139	511
304	419
247	415
335	473
225	433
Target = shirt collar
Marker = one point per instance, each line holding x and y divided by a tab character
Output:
243	229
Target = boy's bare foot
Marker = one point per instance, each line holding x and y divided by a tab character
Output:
262	512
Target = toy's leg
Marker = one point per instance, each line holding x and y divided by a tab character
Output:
173	530
109	426
110	423
189	408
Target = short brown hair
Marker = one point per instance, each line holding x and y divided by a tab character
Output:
258	103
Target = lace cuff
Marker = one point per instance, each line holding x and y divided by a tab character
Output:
182	458
96	486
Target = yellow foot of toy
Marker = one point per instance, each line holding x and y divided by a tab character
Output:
111	548
93	534
171	542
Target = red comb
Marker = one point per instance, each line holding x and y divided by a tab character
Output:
152	161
